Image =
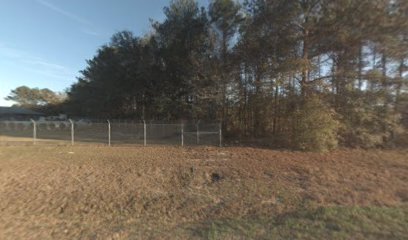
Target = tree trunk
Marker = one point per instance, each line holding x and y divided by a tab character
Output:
399	83
360	67
385	80
305	67
257	106
275	115
223	81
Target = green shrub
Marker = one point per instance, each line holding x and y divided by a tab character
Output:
315	126
368	123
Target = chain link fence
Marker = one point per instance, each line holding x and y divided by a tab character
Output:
110	132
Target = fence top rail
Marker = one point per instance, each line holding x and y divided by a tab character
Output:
164	124
36	121
202	132
116	121
15	121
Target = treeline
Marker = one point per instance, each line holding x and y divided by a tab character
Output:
42	100
307	74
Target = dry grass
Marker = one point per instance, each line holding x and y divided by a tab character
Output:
59	192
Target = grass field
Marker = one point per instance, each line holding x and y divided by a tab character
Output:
91	192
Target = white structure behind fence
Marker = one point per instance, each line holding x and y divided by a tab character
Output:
111	132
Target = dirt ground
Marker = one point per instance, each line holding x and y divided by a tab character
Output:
91	192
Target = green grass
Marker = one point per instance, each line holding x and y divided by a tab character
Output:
320	223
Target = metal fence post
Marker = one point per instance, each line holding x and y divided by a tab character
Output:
198	132
144	133
220	132
109	133
34	131
182	134
72	131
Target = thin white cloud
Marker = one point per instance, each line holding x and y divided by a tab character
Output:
65	13
54	74
90	32
42	63
10	52
35	64
88	27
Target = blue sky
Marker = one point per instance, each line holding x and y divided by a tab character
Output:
45	43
